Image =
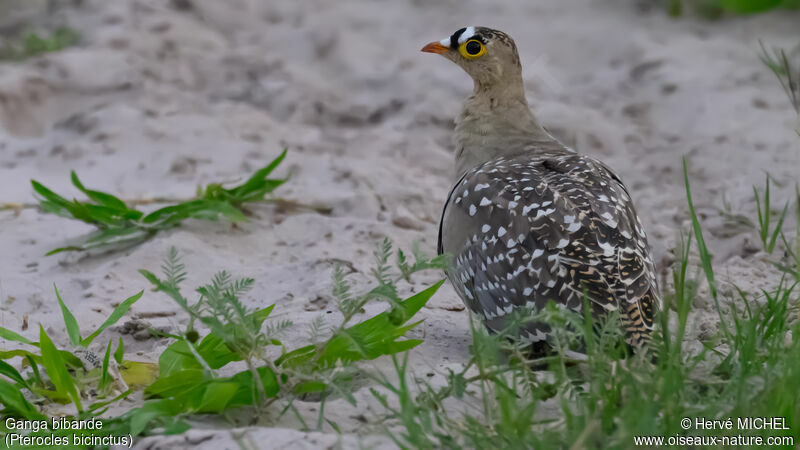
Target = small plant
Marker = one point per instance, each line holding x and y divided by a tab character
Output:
69	376
33	44
787	71
189	377
119	225
768	237
229	358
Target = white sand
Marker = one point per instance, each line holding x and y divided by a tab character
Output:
156	101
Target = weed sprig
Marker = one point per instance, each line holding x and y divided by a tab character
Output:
119	225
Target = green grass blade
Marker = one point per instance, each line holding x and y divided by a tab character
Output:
705	256
762	226
96	406
15	404
254	182
199	209
778	228
50	196
104	376
56	367
9	335
116	314
98	197
119	352
9	371
73	331
57	204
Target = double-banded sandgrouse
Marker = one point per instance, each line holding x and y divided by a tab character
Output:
529	220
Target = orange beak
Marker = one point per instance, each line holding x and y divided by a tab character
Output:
435	47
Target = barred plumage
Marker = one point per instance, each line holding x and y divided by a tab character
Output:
530	220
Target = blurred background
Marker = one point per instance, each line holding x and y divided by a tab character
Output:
152	98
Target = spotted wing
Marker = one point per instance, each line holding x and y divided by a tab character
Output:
526	230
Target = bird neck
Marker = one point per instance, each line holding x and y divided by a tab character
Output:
497	121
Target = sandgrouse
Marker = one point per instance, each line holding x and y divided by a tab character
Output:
529	220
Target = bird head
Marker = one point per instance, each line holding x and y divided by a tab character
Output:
488	56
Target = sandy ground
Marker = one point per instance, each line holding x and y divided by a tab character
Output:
161	96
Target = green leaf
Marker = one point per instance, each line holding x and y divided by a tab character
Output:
244	395
217	396
172	214
57	204
116	314
167	289
15	404
140	418
121	237
96	406
212	348
309	387
705	256
21	353
9	371
177	384
101	198
104	376
175	358
119	352
778	229
369	339
56	367
211	210
51	196
69	322
178	356
255	182
9	335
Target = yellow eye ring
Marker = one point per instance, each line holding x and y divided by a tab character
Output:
472	49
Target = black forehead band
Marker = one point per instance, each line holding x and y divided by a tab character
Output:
457	34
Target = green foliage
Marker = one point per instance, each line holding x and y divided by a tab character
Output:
119	225
189	370
714	9
788	72
66	377
768	237
71	323
190	373
57	370
32	44
749	367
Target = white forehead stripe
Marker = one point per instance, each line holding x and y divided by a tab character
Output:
468	33
445	42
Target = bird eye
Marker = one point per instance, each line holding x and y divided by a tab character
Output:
472	49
